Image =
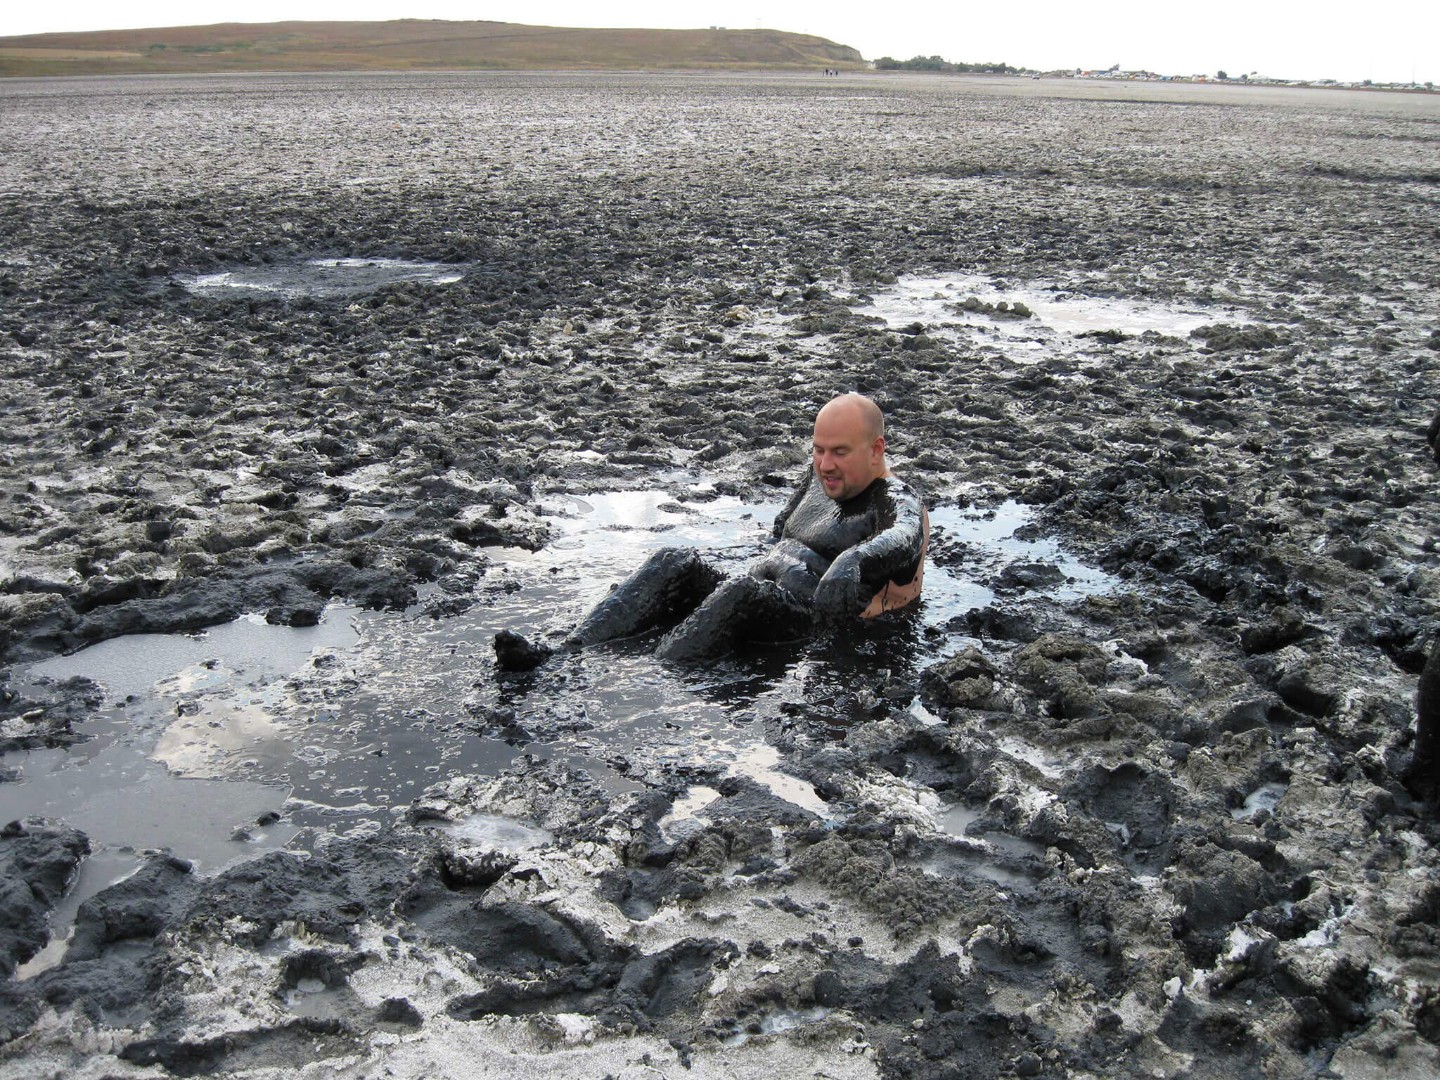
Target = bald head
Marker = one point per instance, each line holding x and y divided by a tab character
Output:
849	447
859	409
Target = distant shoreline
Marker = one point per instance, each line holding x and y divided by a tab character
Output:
1184	87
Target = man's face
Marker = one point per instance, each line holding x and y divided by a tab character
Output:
847	458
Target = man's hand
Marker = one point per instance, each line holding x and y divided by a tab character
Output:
838	596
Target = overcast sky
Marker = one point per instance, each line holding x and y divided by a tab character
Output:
1383	40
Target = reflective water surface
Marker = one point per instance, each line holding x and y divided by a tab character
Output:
322	277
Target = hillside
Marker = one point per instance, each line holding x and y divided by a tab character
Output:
408	44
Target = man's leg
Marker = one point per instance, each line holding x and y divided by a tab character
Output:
670	583
1424	772
742	609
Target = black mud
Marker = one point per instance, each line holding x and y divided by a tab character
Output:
1168	829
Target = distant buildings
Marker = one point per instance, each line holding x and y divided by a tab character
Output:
936	64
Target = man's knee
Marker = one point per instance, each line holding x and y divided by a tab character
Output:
744	608
669	583
776	614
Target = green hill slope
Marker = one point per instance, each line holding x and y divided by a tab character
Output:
408	44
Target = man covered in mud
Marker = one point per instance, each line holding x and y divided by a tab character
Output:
851	544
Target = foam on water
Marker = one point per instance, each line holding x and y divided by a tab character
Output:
1265	798
497	833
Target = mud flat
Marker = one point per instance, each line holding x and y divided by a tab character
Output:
314	383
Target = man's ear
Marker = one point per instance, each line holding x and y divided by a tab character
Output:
878	447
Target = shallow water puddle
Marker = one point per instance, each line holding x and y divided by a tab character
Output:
988	853
356	717
1048	765
313	998
208	743
611	534
121	798
322	277
126	803
956	819
940	302
1011	872
987	543
918	710
759	764
776	1023
248	650
98	871
682	821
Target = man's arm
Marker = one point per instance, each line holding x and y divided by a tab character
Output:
894	554
795	499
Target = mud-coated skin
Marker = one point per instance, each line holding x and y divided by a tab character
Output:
671	582
793	566
744	608
1424	771
514	652
831	558
868	541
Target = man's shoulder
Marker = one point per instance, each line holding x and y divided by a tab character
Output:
897	489
797	496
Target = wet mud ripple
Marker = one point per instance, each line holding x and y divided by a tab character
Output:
1171	828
